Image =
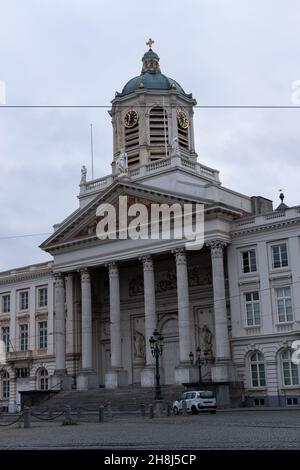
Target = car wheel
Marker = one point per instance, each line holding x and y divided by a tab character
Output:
194	410
213	412
175	410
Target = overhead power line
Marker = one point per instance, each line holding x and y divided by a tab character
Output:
9	237
96	106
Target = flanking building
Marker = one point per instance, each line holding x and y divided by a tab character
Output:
84	320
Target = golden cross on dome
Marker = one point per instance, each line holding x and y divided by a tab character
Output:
150	42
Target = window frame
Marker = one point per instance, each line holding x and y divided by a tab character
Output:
42	305
255	367
284	299
5	386
25	291
291	367
3	307
242	252
6	335
43	334
279	243
252	302
24	337
43	379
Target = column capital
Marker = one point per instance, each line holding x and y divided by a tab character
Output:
85	275
58	280
113	268
180	255
147	262
216	247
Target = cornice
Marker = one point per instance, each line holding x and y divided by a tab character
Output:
264	228
25	276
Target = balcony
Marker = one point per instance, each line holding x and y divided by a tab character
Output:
15	356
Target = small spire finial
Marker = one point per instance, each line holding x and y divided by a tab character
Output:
149	43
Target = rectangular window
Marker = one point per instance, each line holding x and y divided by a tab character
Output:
6	303
24	337
292	401
42	297
5	388
5	338
249	261
284	304
43	335
24	300
22	372
252	308
279	256
259	402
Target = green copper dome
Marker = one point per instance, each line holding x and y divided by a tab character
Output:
151	81
151	77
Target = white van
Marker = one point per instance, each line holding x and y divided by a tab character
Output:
197	400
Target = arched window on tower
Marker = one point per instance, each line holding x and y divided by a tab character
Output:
42	378
159	133
132	144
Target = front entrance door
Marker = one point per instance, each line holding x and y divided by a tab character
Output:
170	356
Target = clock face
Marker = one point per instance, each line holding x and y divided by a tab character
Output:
131	118
182	119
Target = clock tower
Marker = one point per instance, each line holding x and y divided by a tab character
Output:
152	116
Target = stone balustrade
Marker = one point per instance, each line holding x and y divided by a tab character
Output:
152	167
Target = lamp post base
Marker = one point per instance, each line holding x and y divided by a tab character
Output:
158	408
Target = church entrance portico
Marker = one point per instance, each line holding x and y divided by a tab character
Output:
167	292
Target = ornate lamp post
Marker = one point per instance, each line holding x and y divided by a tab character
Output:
198	362
156	350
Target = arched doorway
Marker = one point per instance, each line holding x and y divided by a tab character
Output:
170	356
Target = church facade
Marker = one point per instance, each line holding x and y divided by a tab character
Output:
84	320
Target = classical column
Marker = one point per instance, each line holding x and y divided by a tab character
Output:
60	380
222	350
148	373
60	327
184	322
220	370
116	376
183	371
86	320
115	315
86	378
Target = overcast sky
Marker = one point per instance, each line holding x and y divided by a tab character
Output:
72	52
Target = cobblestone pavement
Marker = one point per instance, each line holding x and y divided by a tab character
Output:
225	430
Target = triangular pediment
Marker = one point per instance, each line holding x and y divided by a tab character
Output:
80	227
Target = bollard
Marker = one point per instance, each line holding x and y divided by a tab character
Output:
184	408
101	414
169	409
151	412
27	417
143	409
109	410
67	416
50	413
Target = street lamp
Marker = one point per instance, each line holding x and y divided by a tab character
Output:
156	347
198	362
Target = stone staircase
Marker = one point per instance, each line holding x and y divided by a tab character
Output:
122	399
